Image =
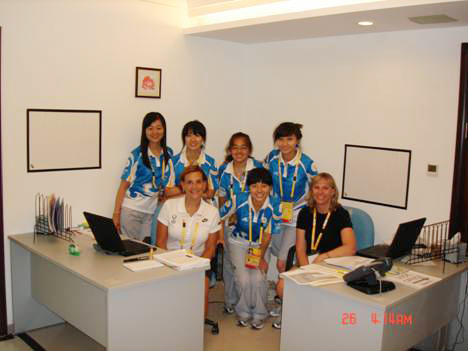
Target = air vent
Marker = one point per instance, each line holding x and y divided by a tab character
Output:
433	19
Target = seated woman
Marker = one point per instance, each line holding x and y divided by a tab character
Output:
187	222
324	228
258	217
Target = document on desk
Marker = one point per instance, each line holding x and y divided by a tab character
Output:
182	260
142	265
314	275
413	279
349	262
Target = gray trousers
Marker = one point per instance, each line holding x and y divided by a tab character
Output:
135	224
230	293
251	285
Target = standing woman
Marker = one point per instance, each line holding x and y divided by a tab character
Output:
232	182
258	217
192	154
292	171
148	172
187	222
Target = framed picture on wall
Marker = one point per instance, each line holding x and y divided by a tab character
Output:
148	82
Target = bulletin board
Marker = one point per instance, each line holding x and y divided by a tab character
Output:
60	140
376	175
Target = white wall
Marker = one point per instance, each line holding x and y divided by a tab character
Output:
396	90
73	54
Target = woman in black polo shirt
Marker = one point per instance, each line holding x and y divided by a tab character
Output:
323	229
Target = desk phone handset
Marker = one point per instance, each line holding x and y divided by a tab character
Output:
367	279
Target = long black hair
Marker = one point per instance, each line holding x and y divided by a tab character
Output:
150	118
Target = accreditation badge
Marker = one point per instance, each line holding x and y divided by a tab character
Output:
252	258
287	209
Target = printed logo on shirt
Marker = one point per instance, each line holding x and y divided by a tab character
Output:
173	220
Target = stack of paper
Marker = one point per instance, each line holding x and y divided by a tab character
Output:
349	262
142	265
314	275
182	260
413	279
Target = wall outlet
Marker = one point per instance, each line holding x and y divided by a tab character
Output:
432	170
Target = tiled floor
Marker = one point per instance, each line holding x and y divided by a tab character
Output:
64	337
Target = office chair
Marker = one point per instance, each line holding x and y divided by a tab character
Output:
217	270
363	227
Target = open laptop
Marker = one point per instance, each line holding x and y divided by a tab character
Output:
402	243
108	238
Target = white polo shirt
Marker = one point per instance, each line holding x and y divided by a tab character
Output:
197	227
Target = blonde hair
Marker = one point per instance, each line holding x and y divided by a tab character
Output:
331	182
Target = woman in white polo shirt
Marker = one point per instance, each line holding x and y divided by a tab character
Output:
187	222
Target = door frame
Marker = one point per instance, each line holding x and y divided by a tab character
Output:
459	189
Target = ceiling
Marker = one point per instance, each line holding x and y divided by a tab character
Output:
342	20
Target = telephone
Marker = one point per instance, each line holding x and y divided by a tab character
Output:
367	278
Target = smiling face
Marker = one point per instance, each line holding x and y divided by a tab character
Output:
194	185
323	192
259	192
155	132
287	145
193	142
240	150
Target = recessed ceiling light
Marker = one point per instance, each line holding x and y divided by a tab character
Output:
366	23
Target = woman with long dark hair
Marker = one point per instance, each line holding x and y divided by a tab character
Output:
148	172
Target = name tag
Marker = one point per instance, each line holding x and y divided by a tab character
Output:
287	209
252	258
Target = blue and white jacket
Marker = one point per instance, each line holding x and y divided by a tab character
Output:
269	216
142	194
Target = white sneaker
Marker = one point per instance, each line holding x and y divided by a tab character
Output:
257	325
275	312
242	323
277	324
228	310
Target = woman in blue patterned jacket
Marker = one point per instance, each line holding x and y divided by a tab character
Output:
148	172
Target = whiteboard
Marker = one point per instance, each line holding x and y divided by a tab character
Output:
376	175
61	140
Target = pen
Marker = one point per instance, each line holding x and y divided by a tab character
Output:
136	259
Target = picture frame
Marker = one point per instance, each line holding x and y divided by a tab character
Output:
148	82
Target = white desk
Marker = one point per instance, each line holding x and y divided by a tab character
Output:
122	310
313	317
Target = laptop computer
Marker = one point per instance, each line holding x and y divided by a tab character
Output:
402	243
108	238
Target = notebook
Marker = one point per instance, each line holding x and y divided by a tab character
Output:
108	238
402	243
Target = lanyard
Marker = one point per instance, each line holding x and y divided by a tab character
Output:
280	175
184	233
313	244
250	227
198	162
163	176
242	182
